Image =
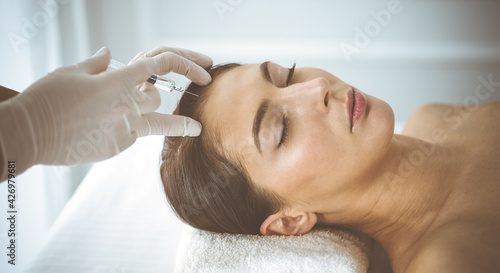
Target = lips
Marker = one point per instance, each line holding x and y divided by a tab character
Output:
356	105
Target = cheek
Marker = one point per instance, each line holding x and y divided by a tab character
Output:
305	172
326	162
379	126
374	140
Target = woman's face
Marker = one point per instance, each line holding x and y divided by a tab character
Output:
309	140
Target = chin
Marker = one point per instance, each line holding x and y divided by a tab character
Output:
378	117
377	128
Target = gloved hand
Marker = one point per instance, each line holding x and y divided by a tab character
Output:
174	125
82	113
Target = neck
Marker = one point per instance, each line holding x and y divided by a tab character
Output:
403	200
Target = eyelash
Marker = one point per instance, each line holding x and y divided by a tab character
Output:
284	134
286	121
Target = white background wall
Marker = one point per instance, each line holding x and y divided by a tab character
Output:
431	51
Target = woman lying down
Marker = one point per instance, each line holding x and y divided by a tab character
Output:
283	150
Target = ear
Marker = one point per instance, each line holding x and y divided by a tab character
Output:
288	224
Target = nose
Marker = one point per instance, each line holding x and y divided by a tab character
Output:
313	94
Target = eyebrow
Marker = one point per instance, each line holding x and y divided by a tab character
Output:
259	116
265	71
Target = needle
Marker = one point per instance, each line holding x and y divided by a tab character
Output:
158	81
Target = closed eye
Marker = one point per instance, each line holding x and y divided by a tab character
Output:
284	133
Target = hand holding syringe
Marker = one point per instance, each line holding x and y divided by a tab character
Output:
78	114
158	81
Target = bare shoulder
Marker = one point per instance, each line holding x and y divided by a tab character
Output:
461	248
431	120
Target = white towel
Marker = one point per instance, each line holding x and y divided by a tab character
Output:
321	250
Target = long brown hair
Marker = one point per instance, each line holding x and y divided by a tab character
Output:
207	190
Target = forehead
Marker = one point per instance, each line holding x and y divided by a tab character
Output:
231	106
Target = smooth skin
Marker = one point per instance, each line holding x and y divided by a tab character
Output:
430	196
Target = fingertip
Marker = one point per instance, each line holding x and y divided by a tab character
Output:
206	62
97	63
196	57
139	56
103	51
103	54
193	128
141	70
170	62
204	78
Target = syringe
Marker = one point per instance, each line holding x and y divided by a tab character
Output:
158	81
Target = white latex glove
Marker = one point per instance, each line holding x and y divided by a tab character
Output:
80	113
168	60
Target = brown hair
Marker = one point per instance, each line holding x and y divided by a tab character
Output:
207	190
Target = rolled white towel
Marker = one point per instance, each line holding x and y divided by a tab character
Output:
321	250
